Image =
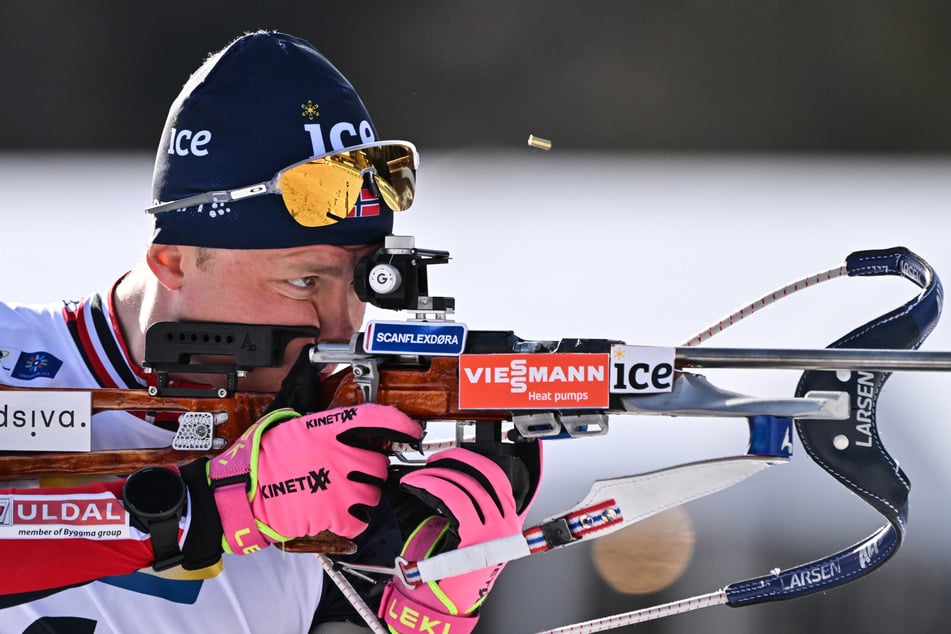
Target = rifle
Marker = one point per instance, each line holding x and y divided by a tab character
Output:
511	390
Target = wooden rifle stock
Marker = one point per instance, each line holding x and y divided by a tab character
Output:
242	409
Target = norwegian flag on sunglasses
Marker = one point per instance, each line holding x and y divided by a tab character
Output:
367	205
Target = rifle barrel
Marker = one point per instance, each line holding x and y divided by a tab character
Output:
816	359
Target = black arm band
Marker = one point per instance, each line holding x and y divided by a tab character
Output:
202	546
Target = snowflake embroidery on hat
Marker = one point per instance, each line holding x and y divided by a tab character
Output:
309	110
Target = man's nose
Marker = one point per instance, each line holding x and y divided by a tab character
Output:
335	313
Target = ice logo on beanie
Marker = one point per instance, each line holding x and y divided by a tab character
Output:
336	136
185	142
188	143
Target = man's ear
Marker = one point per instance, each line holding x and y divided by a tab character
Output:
165	261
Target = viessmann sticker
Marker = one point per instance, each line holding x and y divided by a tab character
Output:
533	381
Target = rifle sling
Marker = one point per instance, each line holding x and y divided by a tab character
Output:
851	450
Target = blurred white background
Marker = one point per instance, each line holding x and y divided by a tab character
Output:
647	249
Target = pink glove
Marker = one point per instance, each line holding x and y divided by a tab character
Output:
292	476
475	500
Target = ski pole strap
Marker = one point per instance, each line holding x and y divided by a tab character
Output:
851	450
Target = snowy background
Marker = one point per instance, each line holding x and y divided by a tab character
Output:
649	249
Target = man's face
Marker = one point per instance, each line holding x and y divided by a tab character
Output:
301	286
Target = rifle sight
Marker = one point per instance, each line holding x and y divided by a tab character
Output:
394	278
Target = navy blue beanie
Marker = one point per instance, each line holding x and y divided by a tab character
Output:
265	101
